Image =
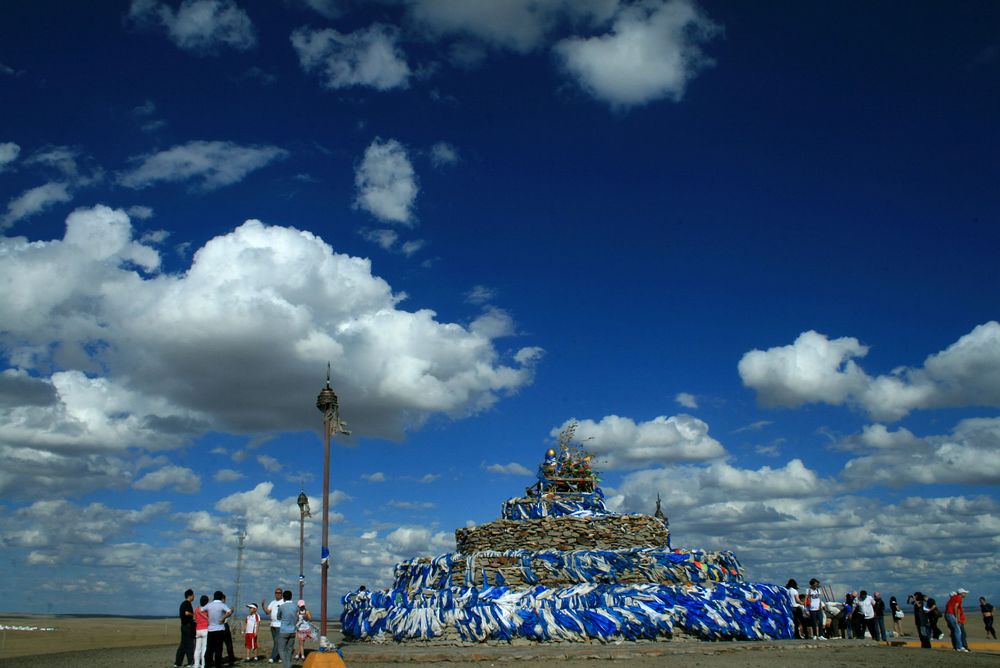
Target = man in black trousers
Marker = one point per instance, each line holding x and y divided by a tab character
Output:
186	648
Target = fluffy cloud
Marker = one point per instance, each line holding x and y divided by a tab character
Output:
272	299
59	161
420	540
198	26
443	154
620	442
369	57
687	400
513	468
378	476
519	25
969	455
212	164
227	475
386	183
651	52
8	154
780	521
816	369
180	478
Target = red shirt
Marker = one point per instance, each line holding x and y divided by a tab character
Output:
954	607
200	619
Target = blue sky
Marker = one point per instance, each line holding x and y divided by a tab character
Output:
751	249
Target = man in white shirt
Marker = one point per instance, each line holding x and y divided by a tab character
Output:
866	605
272	611
218	612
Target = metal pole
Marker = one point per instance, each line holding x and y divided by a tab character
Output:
302	548
326	524
327	403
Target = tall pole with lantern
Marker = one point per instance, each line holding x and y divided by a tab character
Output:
327	403
303	503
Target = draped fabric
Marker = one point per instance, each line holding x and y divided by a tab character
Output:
583	612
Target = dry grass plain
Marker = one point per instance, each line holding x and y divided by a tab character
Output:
92	642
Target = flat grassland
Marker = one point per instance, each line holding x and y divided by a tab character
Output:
92	642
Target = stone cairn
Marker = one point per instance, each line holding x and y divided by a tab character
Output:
560	566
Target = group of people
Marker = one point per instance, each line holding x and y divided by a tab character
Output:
290	624
817	617
205	630
926	615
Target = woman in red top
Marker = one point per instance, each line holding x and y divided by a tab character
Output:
200	632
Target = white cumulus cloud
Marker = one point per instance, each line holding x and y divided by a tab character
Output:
652	51
816	369
272	299
443	154
386	182
687	400
969	455
370	57
620	442
180	478
198	26
513	468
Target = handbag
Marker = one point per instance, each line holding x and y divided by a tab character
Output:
899	614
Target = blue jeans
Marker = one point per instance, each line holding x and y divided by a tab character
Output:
275	644
880	626
287	644
958	640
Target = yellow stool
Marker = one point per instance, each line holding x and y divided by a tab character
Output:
323	660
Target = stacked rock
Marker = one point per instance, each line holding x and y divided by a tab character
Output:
560	566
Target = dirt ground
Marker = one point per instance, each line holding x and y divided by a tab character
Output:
94	642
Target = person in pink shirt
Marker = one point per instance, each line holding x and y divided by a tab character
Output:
200	632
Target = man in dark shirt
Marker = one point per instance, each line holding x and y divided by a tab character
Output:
186	613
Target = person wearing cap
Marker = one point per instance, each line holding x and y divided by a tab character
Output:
303	629
955	616
250	633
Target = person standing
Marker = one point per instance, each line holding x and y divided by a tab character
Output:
866	613
200	632
954	614
227	640
186	646
879	616
796	601
218	613
286	637
987	609
271	610
250	633
303	629
933	615
814	604
922	621
897	617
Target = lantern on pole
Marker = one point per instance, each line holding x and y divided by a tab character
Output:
303	502
327	404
